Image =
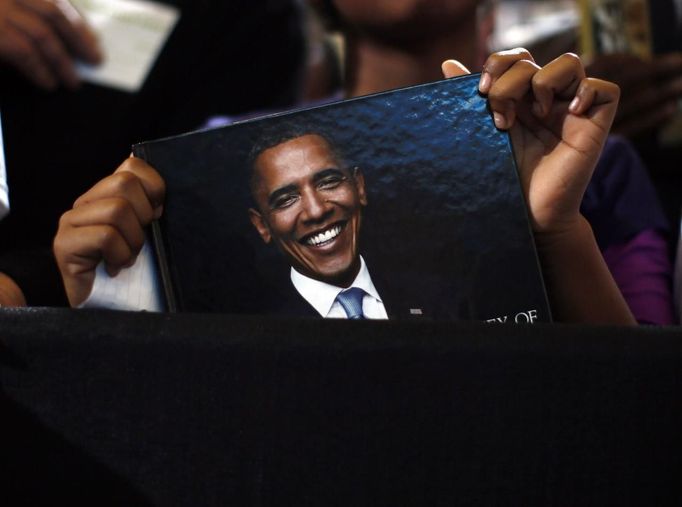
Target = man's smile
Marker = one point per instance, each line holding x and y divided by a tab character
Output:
325	236
310	205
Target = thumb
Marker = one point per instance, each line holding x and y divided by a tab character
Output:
452	68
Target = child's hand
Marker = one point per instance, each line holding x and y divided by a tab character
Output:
559	121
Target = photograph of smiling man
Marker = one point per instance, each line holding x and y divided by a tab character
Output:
309	204
404	204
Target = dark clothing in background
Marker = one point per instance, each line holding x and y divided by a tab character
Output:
223	57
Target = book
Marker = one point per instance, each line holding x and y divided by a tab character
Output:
417	181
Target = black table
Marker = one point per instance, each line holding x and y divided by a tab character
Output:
115	408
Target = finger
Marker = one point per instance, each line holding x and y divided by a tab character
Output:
134	181
19	51
560	78
508	90
499	63
115	212
77	259
80	40
453	68
596	99
125	186
152	182
79	250
49	43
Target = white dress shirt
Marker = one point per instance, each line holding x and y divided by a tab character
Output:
322	296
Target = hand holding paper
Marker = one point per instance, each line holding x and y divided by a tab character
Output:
107	224
42	39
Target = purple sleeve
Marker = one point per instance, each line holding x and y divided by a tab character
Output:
621	201
642	269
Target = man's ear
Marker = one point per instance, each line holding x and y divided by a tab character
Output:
359	179
260	225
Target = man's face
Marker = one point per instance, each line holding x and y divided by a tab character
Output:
310	207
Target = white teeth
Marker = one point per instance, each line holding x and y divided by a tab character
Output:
325	236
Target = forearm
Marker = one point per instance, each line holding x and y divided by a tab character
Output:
579	284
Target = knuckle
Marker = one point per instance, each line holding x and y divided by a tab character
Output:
527	65
124	181
108	237
514	53
571	57
70	269
64	221
59	246
118	209
540	81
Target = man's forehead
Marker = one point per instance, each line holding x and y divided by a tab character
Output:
298	157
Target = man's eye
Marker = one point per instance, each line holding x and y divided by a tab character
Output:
284	201
331	182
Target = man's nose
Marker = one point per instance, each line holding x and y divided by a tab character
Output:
315	207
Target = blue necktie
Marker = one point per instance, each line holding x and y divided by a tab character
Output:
351	301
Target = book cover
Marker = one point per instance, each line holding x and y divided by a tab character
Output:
417	182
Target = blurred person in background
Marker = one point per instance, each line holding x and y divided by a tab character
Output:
390	44
61	133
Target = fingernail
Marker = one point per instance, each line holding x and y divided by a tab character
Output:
575	103
500	121
537	109
158	212
484	83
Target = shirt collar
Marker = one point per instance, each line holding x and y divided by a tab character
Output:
321	295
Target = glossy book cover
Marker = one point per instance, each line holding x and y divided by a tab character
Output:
417	182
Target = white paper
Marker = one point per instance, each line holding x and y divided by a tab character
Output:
133	288
4	194
131	34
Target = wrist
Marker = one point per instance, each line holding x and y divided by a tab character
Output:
579	284
573	235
